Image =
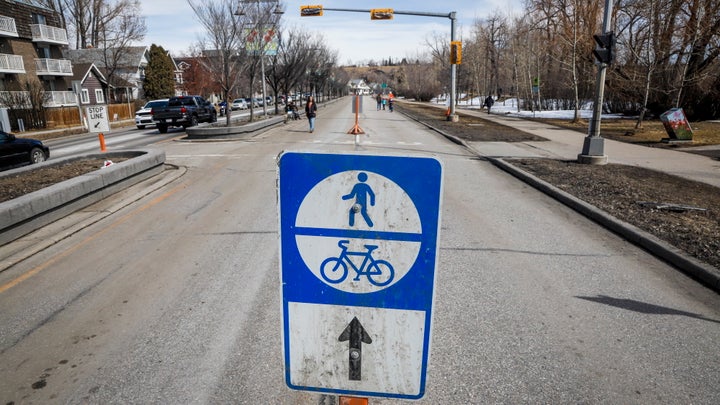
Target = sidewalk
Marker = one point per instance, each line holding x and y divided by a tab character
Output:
567	144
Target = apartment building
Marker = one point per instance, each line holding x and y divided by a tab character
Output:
31	57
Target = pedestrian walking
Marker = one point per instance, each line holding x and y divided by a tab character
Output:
489	103
379	101
310	111
390	104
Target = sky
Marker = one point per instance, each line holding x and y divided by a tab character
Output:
172	24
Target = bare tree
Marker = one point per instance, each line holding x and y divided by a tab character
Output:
220	49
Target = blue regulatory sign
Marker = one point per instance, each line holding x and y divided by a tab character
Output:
358	242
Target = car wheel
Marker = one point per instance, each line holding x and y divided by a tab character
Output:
193	121
162	129
36	155
213	118
141	127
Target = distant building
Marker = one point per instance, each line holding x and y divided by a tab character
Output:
358	86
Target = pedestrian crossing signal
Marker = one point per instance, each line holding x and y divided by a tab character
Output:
311	11
455	52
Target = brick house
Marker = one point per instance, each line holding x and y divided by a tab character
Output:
31	57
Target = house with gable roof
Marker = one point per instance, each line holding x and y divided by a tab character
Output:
92	85
124	68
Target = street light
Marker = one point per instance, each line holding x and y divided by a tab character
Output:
277	11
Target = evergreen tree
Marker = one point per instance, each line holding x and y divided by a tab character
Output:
159	79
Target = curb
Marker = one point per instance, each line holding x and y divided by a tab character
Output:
231	132
708	275
27	213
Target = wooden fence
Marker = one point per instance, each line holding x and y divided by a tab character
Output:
66	117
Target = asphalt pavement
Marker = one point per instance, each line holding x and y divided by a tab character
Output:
567	144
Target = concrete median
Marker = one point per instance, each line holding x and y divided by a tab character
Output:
29	212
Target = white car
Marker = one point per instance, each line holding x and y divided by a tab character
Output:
238	104
143	117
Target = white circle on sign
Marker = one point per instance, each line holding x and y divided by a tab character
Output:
331	215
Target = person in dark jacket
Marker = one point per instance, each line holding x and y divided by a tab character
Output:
489	103
310	111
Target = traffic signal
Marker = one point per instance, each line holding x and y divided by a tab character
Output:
605	47
311	11
381	14
455	52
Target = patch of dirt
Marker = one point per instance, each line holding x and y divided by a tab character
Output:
619	190
16	185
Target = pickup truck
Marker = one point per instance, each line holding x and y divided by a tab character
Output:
183	111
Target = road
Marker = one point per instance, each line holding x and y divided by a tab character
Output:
175	298
120	138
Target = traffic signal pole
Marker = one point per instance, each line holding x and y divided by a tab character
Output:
593	151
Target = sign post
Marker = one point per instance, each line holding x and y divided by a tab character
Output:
98	123
358	241
357	109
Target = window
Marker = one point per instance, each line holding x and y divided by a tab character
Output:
85	96
99	97
38	19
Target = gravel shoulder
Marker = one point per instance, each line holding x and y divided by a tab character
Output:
683	213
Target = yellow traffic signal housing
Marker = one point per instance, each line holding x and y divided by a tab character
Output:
381	14
455	52
311	11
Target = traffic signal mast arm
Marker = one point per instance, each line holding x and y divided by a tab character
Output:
317	10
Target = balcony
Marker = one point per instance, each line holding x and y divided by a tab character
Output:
53	67
7	27
60	98
48	35
21	99
11	63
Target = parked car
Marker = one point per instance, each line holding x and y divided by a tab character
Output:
143	117
252	101
239	104
15	151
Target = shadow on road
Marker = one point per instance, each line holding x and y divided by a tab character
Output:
643	307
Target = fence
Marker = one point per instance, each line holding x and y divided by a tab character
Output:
64	117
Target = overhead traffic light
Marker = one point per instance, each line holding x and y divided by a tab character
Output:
604	52
455	52
381	14
311	11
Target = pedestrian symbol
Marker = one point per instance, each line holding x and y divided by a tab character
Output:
361	191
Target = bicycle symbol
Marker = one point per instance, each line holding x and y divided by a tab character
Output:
335	269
